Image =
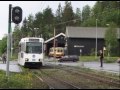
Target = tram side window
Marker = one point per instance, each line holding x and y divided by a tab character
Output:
19	48
22	47
26	49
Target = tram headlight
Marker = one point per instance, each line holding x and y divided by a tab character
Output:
26	59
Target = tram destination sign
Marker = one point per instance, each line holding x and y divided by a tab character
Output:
33	40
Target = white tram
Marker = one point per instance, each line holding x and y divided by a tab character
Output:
31	52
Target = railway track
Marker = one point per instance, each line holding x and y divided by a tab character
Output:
53	82
89	75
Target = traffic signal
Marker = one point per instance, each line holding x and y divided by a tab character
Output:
17	15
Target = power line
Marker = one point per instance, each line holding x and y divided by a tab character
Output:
68	21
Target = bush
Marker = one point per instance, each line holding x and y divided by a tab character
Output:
92	52
110	59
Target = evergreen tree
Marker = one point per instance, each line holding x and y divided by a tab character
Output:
68	14
38	23
48	21
58	19
86	13
78	15
30	26
24	28
17	35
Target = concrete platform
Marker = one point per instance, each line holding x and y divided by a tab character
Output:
13	66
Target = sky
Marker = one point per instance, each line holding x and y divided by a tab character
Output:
33	7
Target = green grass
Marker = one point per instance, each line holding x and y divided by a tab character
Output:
15	80
14	57
92	58
23	80
88	58
110	59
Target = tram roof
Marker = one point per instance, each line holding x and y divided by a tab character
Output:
32	39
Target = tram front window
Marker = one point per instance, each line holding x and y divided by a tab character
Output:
34	47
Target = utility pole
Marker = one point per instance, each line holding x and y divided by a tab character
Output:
96	41
8	40
119	68
11	44
15	14
54	48
54	44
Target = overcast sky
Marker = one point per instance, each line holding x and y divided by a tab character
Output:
32	7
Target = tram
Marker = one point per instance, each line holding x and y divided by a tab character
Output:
31	52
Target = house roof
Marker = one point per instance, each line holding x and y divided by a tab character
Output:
55	37
86	32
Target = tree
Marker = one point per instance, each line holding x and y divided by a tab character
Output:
78	15
111	40
48	21
48	16
24	28
59	13
86	13
106	12
90	22
3	45
30	28
68	13
58	19
17	35
38	23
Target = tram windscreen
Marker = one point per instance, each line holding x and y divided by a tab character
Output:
34	47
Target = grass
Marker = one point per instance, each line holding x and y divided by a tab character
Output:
23	80
14	57
88	58
110	59
92	58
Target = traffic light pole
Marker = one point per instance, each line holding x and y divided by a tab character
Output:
15	14
8	40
